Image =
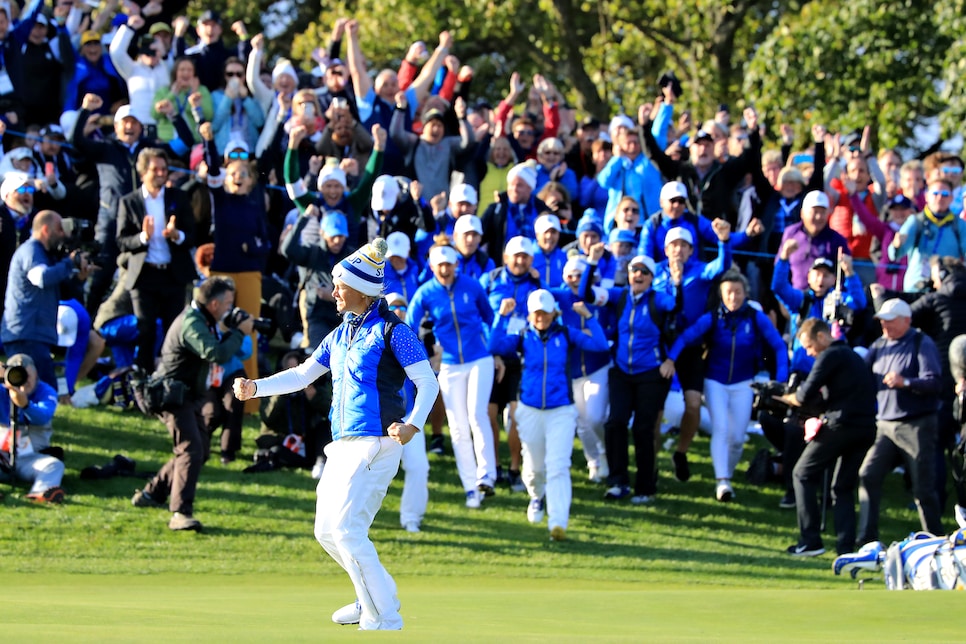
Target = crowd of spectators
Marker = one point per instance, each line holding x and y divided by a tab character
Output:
667	263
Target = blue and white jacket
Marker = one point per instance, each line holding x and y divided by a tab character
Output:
734	344
500	284
546	364
583	362
550	266
695	283
367	376
461	317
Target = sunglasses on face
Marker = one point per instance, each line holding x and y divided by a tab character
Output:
26	190
640	269
398	307
952	170
234	74
238	154
678	201
940	193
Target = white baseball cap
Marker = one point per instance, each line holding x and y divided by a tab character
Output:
815	199
676	233
442	255
525	172
546	222
541	300
463	192
398	244
468	224
644	260
385	193
66	326
674	189
518	245
894	308
575	266
123	112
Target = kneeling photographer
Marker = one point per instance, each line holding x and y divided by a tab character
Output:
193	345
25	450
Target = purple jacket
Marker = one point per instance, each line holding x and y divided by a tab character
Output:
824	244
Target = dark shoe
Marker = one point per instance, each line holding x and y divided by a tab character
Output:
787	502
486	490
50	495
516	482
125	466
227	457
617	492
501	478
804	550
181	521
682	471
436	445
142	499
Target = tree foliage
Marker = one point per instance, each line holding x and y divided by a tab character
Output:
891	63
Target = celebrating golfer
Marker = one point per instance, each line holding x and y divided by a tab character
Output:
370	354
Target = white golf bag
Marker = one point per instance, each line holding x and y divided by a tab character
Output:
921	562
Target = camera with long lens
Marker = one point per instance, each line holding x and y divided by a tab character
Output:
78	236
15	376
765	401
238	315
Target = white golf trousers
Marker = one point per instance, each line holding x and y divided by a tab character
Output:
730	410
547	436
466	393
415	493
357	474
590	398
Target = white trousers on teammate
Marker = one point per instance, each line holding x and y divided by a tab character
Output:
466	393
415	493
590	398
730	410
547	437
357	474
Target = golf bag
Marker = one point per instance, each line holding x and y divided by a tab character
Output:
921	562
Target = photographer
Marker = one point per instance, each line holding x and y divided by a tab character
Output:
191	347
35	403
843	386
33	291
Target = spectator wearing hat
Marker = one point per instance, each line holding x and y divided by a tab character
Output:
397	204
59	173
145	74
908	374
34	405
472	261
458	309
115	160
635	385
546	415
34	280
49	65
588	371
621	243
333	184
630	172
710	182
17	192
431	155
402	273
687	280
934	231
211	53
549	258
516	210
674	213
94	73
11	48
813	239
590	232
733	334
515	280
155	233
891	274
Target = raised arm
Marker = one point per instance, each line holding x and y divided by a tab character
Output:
424	81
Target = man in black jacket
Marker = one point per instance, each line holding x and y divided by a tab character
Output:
840	377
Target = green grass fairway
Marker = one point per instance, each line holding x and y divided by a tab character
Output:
686	568
286	608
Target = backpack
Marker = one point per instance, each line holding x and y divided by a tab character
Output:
921	221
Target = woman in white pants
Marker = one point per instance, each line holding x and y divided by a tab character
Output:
734	334
370	355
546	415
459	311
